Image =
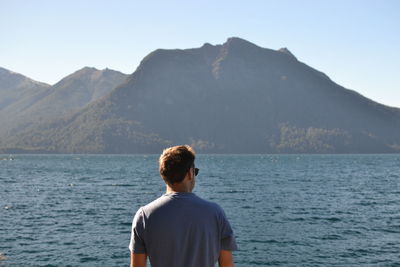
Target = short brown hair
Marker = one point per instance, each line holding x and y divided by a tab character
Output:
175	162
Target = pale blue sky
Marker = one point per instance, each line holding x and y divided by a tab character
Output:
355	42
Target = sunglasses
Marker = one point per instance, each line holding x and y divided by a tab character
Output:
196	170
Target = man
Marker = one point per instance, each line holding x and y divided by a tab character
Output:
179	229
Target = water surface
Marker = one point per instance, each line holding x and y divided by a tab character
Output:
286	210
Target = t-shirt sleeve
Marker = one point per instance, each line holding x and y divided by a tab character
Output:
228	241
137	244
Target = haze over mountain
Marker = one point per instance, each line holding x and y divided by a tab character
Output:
42	102
231	98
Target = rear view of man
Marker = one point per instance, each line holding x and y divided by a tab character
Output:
179	229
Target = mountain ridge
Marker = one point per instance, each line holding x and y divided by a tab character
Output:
231	98
15	86
70	93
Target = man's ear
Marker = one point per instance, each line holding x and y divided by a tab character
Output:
190	174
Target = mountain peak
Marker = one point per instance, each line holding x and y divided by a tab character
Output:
84	72
287	52
93	71
207	45
90	74
88	69
238	42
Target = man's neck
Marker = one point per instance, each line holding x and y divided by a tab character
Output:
177	189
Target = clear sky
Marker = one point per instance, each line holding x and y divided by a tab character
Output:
355	42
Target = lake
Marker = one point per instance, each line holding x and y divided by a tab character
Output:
286	210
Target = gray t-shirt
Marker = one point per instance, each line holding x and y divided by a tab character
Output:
181	230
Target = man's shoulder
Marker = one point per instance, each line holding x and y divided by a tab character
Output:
173	200
208	203
158	202
204	207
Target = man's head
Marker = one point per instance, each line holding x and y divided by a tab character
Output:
175	163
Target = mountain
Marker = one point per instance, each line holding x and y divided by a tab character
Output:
76	90
70	94
231	98
18	92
